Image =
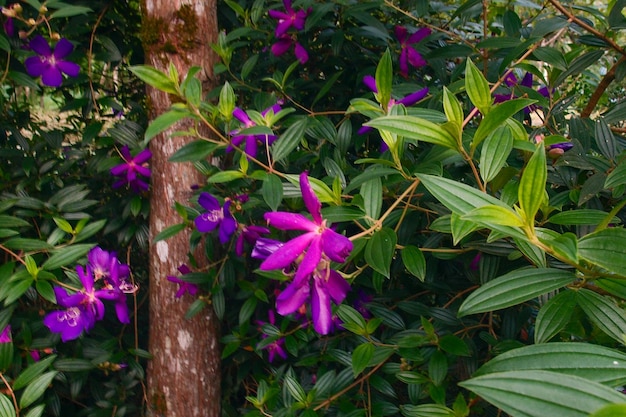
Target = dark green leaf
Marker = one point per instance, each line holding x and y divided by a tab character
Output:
36	388
606	248
380	250
170	231
361	357
497	116
65	256
6	407
604	313
197	150
495	151
32	371
289	140
554	316
272	191
73	365
414	261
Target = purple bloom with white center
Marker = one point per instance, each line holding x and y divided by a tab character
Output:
289	18
314	250
249	234
251	141
50	64
214	216
408	54
285	42
184	286
132	169
84	308
5	336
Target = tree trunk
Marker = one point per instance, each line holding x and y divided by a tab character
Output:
183	378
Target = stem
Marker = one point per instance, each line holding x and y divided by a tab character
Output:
602	86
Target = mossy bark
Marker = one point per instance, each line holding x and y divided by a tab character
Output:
183	378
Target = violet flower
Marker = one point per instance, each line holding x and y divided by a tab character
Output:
132	169
289	18
249	234
264	247
184	286
215	216
557	149
276	347
84	308
285	42
408	54
251	141
50	64
314	250
512	82
5	336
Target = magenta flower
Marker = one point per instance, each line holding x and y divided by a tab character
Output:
5	336
132	169
184	286
84	308
249	234
251	141
49	64
313	252
215	216
408	54
289	18
285	42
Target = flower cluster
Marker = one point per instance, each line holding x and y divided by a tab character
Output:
286	20
103	278
312	253
132	170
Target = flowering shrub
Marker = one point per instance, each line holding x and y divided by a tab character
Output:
399	219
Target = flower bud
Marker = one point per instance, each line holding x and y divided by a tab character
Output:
17	8
43	9
31	22
55	36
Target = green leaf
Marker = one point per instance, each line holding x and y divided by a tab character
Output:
69	10
554	316
581	217
295	389
606	248
272	191
289	140
6	355
453	345
497	116
154	78
537	393
170	231
384	79
411	377
617	176
532	185
164	121
372	193
595	363
452	108
605	139
44	288
611	410
194	151
426	410
27	244
32	371
225	176
36	388
352	319
361	357
412	127
380	249
66	256
604	313
495	152
12	222
477	88
73	365
438	367
494	215
514	288
36	411
414	261
6	407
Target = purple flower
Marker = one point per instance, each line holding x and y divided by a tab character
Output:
49	64
84	308
249	234
251	141
131	169
184	286
276	347
215	216
289	18
285	42
408	54
264	247
527	82
5	336
314	250
557	149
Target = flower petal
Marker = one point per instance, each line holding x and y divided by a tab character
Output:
321	310
282	45
208	202
370	82
419	35
336	246
290	300
290	221
40	46
62	49
413	98
70	68
311	259
52	77
337	286
289	252
311	201
301	54
35	65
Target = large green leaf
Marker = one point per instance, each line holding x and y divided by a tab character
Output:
532	185
477	88
384	79
497	116
414	261
495	151
361	357
164	121
604	313
580	217
554	316
289	140
606	248
272	191
380	250
412	127
194	151
372	193
592	362
154	78
6	407
35	389
426	410
65	256
536	393
611	410
514	288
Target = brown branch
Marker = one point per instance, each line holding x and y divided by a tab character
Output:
608	78
587	27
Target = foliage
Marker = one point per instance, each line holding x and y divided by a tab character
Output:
459	165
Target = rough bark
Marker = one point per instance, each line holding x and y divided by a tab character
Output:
183	378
